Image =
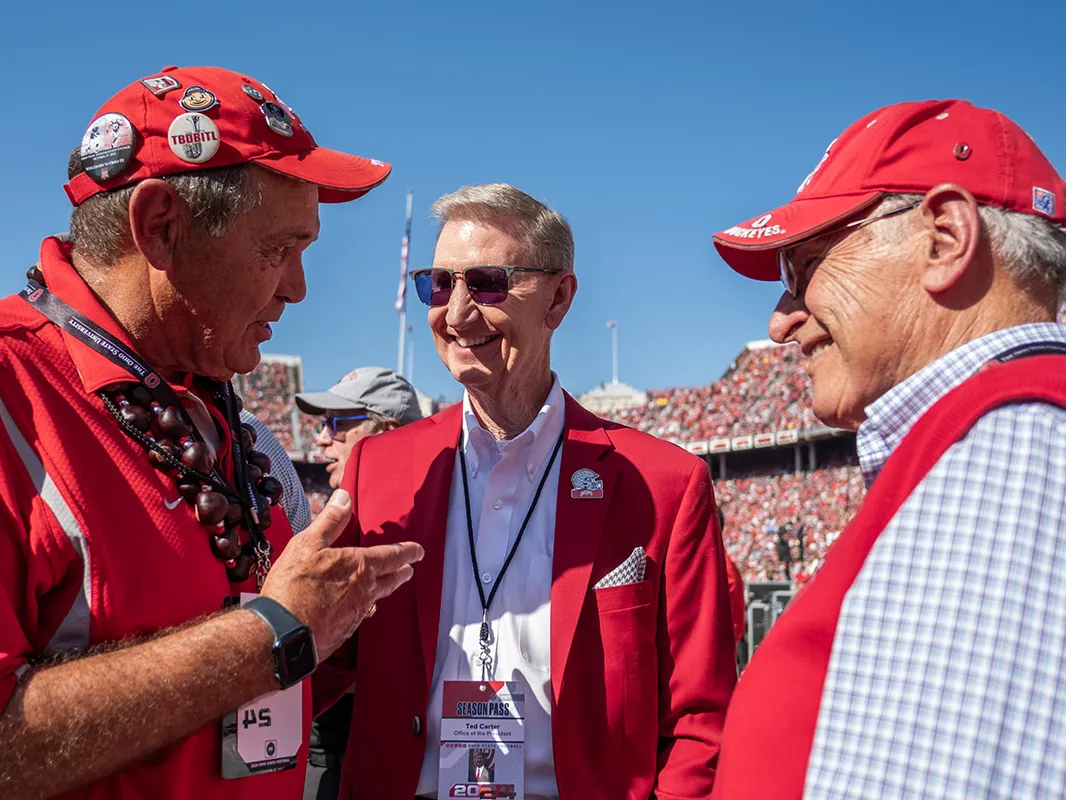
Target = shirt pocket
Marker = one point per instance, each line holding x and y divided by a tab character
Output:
534	627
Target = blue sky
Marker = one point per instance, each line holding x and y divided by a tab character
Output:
648	125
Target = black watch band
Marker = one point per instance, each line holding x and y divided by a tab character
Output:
295	656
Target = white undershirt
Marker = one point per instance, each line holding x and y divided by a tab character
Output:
502	478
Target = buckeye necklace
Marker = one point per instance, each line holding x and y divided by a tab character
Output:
149	412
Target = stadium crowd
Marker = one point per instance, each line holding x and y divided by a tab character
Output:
764	389
821	501
267	393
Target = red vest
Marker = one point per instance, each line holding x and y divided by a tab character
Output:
771	721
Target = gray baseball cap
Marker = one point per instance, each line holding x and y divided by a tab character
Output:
368	388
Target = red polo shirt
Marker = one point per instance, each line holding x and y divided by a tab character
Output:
94	546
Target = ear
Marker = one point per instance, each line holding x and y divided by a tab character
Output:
565	290
156	217
950	215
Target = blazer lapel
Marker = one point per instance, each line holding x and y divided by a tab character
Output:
435	453
579	524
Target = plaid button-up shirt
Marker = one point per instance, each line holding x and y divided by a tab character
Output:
948	670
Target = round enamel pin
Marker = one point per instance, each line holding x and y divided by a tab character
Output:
107	147
193	138
253	93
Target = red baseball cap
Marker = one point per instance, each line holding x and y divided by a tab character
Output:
191	118
902	149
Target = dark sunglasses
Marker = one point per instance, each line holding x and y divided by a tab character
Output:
331	423
488	286
790	274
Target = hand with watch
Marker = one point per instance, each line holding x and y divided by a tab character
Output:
316	595
295	655
312	600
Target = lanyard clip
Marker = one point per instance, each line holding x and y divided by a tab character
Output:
485	656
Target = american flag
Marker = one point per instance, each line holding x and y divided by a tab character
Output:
401	293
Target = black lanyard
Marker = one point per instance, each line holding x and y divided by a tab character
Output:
1032	349
114	351
485	659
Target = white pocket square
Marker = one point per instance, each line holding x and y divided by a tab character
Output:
629	571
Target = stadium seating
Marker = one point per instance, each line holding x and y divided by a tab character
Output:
822	501
764	389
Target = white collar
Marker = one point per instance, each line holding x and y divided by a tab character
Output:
538	440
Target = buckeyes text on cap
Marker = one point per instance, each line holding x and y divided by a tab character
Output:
903	149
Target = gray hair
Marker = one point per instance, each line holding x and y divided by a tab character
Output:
378	423
1030	248
547	239
215	198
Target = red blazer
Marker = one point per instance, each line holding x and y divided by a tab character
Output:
641	674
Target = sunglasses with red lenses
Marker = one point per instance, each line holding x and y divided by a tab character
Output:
488	285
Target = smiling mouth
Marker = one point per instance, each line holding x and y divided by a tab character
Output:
816	348
476	342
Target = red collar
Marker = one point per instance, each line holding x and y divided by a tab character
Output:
63	280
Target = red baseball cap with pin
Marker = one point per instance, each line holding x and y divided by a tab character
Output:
903	149
191	118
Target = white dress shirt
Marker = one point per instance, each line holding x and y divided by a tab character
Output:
503	477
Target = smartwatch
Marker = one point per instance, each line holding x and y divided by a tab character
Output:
295	656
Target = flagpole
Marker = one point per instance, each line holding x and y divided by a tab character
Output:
403	337
411	358
613	325
401	296
614	354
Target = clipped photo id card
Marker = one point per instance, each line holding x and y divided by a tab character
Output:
482	735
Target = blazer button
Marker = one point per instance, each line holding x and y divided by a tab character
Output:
416	726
